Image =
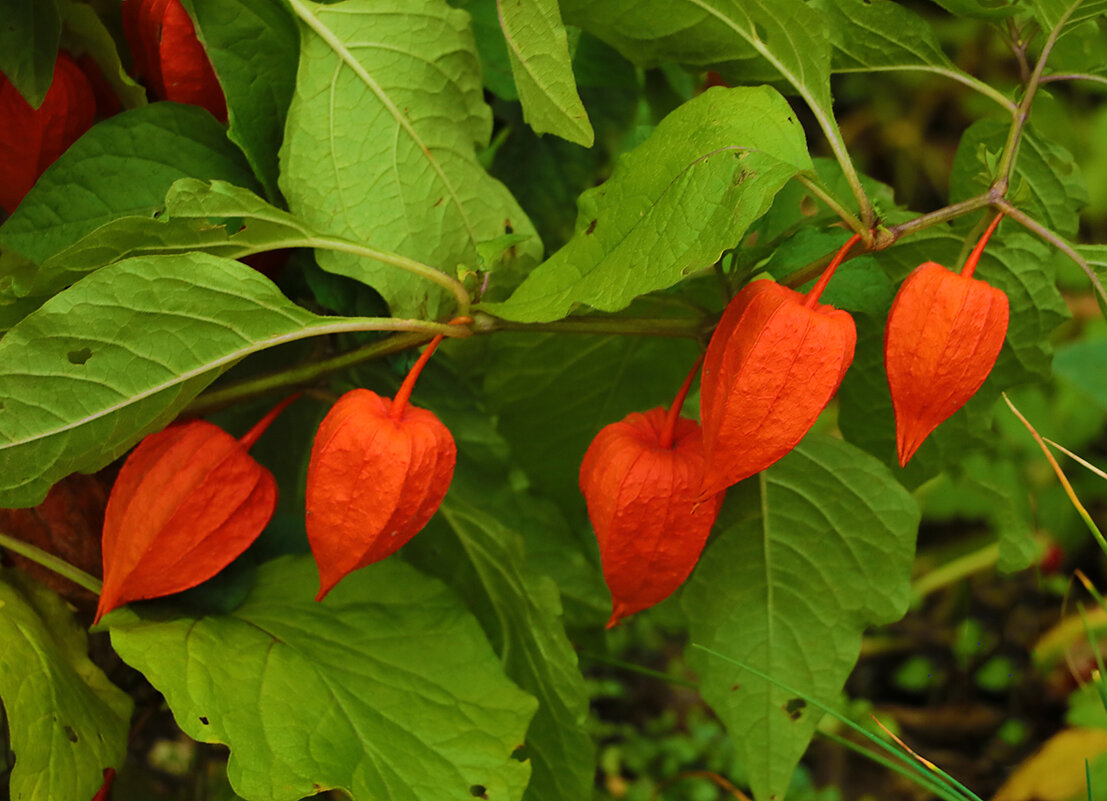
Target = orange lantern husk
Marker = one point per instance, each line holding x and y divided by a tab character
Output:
187	502
773	364
639	479
943	336
379	470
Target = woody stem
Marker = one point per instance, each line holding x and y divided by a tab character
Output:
817	290
974	257
669	431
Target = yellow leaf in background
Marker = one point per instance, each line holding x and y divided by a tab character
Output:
1055	772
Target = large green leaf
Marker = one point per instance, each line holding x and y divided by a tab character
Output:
186	225
123	166
380	142
1050	12
1047	182
788	35
539	52
386	690
672	206
553	393
481	555
66	721
980	9
120	353
881	35
85	34
253	46
29	46
789	590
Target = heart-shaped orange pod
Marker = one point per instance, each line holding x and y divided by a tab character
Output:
943	336
188	501
32	139
772	365
378	472
639	478
169	57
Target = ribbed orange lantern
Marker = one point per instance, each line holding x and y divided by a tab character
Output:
943	336
772	365
169	57
639	478
188	500
32	139
379	470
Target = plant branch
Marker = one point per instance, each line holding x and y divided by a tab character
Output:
687	327
816	188
1022	113
51	562
1073	76
966	80
1035	227
939	216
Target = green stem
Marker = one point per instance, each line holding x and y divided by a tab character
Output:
932	218
688	327
1073	76
831	202
1022	113
410	265
967	80
51	562
633	668
953	571
1035	227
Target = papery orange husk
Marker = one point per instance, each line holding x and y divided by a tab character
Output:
772	365
373	482
943	336
32	139
641	500
169	57
188	501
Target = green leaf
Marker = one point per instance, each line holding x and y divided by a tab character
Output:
482	557
881	35
119	354
1096	256
553	394
187	225
539	52
789	590
380	142
488	34
1047	183
123	166
85	33
66	721
672	206
252	44
1050	12
29	46
1006	505
547	174
386	689
1081	363
980	9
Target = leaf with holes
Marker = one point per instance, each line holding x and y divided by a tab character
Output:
672	206
67	721
824	552
119	354
386	689
380	145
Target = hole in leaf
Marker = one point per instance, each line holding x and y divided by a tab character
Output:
591	227
520	754
79	356
478	791
735	688
795	707
759	32
204	720
70	734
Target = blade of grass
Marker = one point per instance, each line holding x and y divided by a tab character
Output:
911	773
948	781
1076	458
1087	518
